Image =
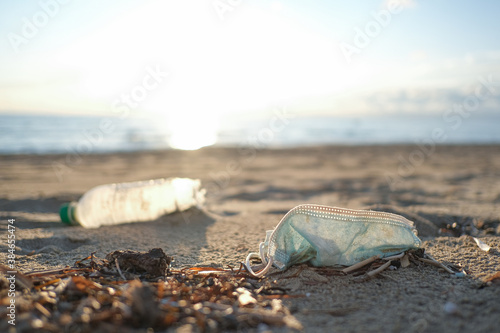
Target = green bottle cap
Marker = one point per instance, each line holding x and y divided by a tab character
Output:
67	213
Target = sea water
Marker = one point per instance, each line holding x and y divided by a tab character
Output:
35	134
60	134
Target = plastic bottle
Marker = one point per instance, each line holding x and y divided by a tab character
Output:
133	202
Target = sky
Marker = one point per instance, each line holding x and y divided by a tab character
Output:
209	59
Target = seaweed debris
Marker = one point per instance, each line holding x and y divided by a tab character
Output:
135	291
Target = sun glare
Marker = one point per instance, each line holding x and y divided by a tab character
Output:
226	66
192	131
186	140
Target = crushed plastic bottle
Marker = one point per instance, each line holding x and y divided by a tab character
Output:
133	202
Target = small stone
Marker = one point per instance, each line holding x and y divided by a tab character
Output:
450	308
36	323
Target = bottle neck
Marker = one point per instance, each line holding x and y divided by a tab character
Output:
68	213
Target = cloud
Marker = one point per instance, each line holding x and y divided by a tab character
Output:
430	101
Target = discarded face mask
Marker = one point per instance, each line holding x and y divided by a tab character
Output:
330	236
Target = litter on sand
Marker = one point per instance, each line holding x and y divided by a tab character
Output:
142	290
482	245
331	236
94	296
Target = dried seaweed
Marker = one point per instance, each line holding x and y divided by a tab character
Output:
374	266
93	296
153	263
140	290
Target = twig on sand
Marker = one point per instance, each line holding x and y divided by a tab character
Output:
436	263
56	271
378	270
119	270
360	264
397	256
22	280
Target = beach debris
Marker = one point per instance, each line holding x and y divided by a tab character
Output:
361	264
154	262
431	261
457	226
492	279
118	292
21	281
245	297
331	236
145	200
378	270
396	256
451	229
482	245
375	265
456	270
93	296
450	308
374	270
405	261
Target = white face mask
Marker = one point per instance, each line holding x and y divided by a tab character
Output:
329	236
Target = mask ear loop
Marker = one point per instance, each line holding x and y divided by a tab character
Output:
267	261
260	273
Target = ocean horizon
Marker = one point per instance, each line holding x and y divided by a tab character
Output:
60	134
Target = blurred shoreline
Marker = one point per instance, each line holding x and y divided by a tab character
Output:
30	134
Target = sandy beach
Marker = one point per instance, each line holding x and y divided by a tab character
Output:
249	190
